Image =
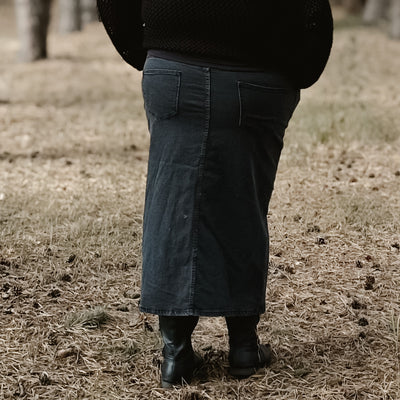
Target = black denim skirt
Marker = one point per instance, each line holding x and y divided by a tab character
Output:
216	138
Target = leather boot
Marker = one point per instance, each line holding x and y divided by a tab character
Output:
179	358
246	354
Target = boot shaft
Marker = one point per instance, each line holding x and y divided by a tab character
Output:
243	331
176	333
179	359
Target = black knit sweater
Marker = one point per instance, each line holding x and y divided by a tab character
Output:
291	36
260	33
211	28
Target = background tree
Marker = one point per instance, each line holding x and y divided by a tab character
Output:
70	16
353	6
33	18
88	11
374	10
395	17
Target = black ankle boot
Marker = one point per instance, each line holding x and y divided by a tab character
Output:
246	354
179	358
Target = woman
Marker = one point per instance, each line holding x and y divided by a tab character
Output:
220	83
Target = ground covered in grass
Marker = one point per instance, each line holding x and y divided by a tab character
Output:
73	151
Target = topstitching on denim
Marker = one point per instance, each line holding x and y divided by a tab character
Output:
151	100
198	192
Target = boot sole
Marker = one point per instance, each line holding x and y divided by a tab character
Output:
198	361
242	373
168	385
245	372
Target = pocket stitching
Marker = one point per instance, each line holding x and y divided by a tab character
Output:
178	85
262	88
252	86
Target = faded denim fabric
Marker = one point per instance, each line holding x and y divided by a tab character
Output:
216	139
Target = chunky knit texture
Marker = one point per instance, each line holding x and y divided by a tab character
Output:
262	33
291	36
212	28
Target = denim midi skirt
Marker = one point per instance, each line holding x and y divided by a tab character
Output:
216	138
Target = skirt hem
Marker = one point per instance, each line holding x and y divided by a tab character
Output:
202	313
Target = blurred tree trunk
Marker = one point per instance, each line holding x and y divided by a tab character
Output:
374	11
33	21
353	6
70	16
395	19
88	11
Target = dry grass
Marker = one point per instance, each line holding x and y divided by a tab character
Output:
73	165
